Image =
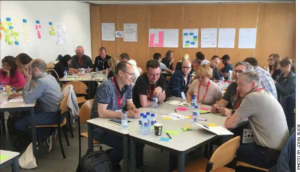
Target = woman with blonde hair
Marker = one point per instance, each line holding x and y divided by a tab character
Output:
179	63
112	63
206	91
273	67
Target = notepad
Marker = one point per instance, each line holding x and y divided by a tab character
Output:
181	109
211	125
164	139
171	132
203	108
3	157
218	130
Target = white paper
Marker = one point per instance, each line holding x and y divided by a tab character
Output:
190	38
130	32
179	103
17	100
156	37
171	38
247	37
209	38
172	117
119	34
178	115
226	38
61	34
218	130
108	31
248	136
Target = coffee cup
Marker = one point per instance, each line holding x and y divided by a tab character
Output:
158	129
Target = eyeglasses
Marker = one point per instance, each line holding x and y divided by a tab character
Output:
186	67
131	74
153	75
238	71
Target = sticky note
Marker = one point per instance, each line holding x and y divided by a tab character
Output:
171	132
9	24
16	38
167	118
192	43
12	31
37	22
187	126
189	116
8	19
39	34
187	42
3	157
52	28
185	34
202	111
50	32
53	33
1	25
1	28
152	127
182	109
10	27
203	108
182	130
164	139
191	33
24	21
6	30
0	35
195	39
16	43
186	45
10	42
40	26
7	38
50	23
14	34
212	125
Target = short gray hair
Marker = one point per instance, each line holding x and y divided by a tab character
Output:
248	66
40	64
250	76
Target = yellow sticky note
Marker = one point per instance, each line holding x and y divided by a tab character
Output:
16	38
186	127
52	28
188	116
5	23
212	125
167	118
7	38
6	30
53	33
11	30
10	42
9	23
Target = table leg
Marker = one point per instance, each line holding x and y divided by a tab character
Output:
90	138
90	89
2	119
181	159
15	165
132	155
125	153
33	131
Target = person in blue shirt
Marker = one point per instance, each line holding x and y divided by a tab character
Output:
227	66
179	82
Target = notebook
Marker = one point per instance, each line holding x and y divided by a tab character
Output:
218	130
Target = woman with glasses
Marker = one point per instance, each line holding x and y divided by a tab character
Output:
179	81
273	67
10	74
206	91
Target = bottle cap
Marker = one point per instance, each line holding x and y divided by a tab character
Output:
196	107
147	113
152	114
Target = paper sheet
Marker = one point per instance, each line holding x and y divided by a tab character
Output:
156	37
247	37
209	38
61	34
226	37
171	37
108	31
181	109
130	32
218	130
190	38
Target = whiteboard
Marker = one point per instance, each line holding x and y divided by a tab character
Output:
74	15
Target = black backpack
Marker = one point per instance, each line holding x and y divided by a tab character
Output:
97	161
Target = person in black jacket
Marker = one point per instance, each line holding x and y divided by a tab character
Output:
61	66
101	61
168	60
273	67
180	81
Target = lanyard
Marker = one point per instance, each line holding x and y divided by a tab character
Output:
119	101
205	91
239	100
80	61
150	91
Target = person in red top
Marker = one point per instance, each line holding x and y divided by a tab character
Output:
10	74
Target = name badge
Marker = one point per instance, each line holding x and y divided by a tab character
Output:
119	110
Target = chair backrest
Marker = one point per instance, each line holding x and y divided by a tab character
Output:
85	111
63	105
79	87
225	153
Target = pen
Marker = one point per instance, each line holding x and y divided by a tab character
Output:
205	113
205	126
169	136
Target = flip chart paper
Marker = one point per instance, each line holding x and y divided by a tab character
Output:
226	38
209	38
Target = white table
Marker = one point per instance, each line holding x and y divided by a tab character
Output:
11	159
18	104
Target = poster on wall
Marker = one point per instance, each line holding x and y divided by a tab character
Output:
247	37
130	32
156	37
209	38
61	34
190	38
171	38
108	31
25	31
226	38
119	34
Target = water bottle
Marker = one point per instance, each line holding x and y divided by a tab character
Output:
195	114
65	74
230	75
155	102
96	69
194	102
149	119
14	90
152	119
141	121
222	82
145	125
124	120
88	70
2	91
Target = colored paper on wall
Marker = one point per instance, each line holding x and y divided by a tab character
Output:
37	22
10	42
52	28
50	23
36	27
24	21
16	43
188	40
39	34
9	23
40	26
6	30
181	109
8	19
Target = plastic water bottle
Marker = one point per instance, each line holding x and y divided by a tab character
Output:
141	120
149	119
2	91
88	70
96	69
195	114
194	102
152	119
145	126
65	74
155	102
222	82
124	119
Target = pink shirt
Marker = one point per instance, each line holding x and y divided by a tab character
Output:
16	81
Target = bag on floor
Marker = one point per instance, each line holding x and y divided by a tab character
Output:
96	161
27	160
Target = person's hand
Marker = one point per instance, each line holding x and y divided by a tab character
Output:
28	75
132	114
157	91
136	110
172	59
214	108
13	95
267	68
225	112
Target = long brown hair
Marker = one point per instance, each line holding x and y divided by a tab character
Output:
168	55
10	60
287	61
276	61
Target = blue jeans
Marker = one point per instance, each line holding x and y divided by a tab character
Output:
43	118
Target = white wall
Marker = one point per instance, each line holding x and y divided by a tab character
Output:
75	16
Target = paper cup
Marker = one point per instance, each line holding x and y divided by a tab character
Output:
158	129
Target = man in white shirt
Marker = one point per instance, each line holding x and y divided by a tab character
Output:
125	57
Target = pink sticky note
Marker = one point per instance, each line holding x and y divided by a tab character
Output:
40	26
155	45
181	109
151	44
202	108
36	27
160	45
39	34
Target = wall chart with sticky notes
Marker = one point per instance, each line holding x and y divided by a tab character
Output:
190	38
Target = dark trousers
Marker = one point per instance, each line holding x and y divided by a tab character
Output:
257	155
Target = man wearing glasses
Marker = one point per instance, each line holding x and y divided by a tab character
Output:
110	99
150	84
231	98
179	82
